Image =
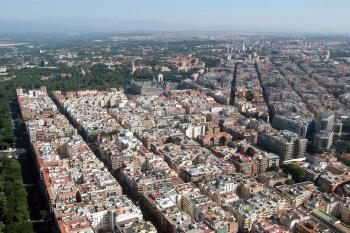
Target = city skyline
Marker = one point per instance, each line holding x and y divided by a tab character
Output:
195	116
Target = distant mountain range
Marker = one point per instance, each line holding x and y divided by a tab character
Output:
111	25
81	25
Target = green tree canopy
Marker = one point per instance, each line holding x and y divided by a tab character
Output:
297	172
13	198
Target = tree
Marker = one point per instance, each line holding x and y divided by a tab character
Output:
297	172
278	184
346	127
249	96
273	168
92	138
289	181
43	214
347	147
78	197
210	62
23	227
344	159
13	198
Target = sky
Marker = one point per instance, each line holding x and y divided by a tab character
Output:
265	15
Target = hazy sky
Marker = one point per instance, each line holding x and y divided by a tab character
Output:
285	15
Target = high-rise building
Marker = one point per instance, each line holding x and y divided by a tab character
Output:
160	78
323	139
133	68
325	122
337	128
229	55
296	124
286	144
324	130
